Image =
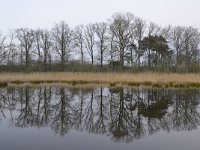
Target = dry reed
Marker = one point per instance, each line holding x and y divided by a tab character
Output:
147	79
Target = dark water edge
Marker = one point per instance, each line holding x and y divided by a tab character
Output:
99	118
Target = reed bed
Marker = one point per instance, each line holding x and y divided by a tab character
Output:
112	79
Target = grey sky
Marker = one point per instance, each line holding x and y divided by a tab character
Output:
44	13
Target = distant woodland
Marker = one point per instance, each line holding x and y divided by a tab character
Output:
122	43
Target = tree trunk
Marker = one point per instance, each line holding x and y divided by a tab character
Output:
122	57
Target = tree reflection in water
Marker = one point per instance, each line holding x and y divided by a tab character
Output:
123	114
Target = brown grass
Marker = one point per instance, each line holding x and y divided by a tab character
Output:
101	78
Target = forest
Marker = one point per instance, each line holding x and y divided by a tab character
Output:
122	43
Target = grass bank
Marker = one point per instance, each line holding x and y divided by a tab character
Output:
110	79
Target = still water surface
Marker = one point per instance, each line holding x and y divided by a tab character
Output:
50	118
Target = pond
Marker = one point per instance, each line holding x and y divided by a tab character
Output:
117	118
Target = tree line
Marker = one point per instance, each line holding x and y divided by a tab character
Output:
123	42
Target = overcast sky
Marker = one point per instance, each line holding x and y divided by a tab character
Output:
45	13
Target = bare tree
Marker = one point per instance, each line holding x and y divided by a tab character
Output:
46	43
166	32
177	42
153	29
90	40
113	46
37	44
191	46
140	26
113	50
12	48
101	32
3	51
62	41
79	40
122	26
26	38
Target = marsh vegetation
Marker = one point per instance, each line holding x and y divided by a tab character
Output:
107	79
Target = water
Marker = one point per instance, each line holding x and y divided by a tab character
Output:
50	118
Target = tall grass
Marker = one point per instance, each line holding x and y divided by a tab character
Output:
131	79
108	77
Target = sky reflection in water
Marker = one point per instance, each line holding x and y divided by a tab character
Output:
99	118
